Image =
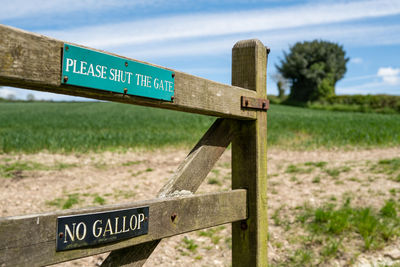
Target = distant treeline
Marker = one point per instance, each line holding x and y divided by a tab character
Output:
388	104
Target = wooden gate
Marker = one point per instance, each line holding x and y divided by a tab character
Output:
33	61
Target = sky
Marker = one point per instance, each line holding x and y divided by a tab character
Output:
197	37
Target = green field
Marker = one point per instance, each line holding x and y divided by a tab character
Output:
96	126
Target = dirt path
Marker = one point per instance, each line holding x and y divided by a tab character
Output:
46	182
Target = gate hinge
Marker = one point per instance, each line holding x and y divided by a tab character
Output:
254	103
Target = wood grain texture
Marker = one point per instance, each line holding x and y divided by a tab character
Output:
188	177
199	162
34	62
31	240
249	158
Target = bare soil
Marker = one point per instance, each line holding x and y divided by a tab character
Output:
136	175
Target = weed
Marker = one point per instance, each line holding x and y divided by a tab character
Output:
316	180
319	164
215	171
392	191
301	257
14	169
149	170
99	200
228	242
372	226
130	163
190	244
61	166
63	203
331	249
214	181
295	169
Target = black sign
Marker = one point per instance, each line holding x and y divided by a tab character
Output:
97	228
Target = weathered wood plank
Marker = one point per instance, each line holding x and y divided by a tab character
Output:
199	162
34	62
31	240
249	158
188	177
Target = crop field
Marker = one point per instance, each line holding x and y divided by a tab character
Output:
99	126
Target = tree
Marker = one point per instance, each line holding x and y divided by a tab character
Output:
313	68
282	84
30	97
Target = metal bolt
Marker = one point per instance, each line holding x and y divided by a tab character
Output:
146	218
268	50
172	98
243	225
61	235
66	48
126	64
173	75
264	105
173	217
65	79
246	103
125	90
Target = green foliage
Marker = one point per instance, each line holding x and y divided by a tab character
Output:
98	200
65	203
374	227
190	244
360	103
301	128
93	126
313	69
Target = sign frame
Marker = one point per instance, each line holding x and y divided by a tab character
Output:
97	70
90	229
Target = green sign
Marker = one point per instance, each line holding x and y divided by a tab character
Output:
92	69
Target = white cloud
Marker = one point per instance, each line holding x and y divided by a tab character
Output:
200	25
22	8
390	75
356	60
368	88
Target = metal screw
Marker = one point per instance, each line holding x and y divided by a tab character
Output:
246	103
146	218
263	105
243	225
268	50
61	235
172	98
65	79
173	217
125	90
126	64
173	75
66	48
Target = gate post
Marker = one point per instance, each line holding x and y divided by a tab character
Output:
249	158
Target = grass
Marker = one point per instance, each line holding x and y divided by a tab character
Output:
322	233
374	226
9	169
98	126
65	203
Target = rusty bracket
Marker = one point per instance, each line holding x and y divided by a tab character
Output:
254	103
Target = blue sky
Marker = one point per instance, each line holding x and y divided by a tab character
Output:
197	36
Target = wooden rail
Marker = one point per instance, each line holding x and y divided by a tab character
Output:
30	240
34	62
